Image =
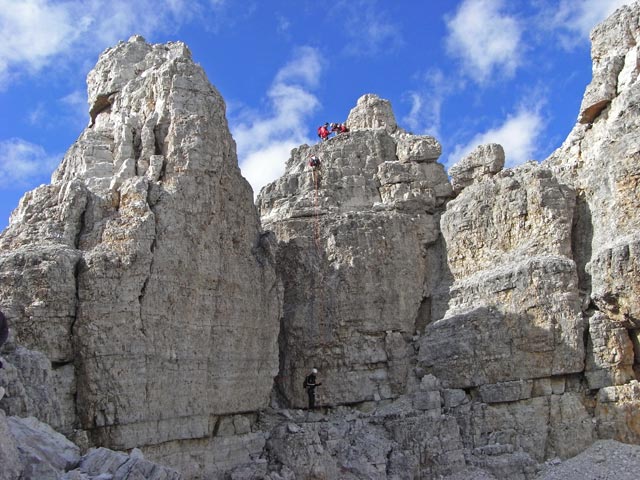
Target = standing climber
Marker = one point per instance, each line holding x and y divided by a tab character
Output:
4	330
323	131
310	385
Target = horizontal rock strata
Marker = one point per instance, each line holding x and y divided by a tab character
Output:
141	272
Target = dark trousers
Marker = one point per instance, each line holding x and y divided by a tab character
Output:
311	392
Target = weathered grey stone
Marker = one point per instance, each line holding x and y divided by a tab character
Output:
413	148
506	391
427	400
516	214
452	397
522	321
600	161
358	260
43	451
211	457
31	388
372	112
571	426
153	277
143	265
615	274
541	387
610	355
615	62
100	462
618	412
10	466
603	459
419	446
483	162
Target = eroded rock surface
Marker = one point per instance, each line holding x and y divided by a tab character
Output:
357	256
489	332
483	162
599	160
141	272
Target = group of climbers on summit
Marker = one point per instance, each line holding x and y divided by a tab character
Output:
324	131
327	129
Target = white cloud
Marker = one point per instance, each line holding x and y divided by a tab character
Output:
305	68
578	17
265	140
35	33
517	135
267	164
32	31
485	40
22	162
283	24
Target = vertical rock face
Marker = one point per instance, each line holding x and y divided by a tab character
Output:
514	311
484	161
466	332
599	160
357	256
143	266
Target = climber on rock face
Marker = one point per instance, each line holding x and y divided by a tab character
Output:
314	162
310	385
342	128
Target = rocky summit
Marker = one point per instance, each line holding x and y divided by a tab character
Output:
481	323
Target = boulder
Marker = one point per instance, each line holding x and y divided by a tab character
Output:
44	452
483	162
372	112
9	455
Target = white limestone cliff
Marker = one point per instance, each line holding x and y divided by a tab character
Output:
483	328
141	272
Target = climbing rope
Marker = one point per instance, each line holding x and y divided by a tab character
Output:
316	210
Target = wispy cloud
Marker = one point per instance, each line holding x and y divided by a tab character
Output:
485	40
576	18
75	109
518	135
35	33
22	163
426	102
70	110
32	32
265	140
367	28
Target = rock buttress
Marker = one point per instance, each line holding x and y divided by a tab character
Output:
143	265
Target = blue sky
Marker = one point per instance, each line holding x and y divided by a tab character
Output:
465	71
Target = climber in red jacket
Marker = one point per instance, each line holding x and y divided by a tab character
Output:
323	131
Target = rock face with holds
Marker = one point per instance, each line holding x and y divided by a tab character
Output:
600	161
474	327
358	256
141	273
515	289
